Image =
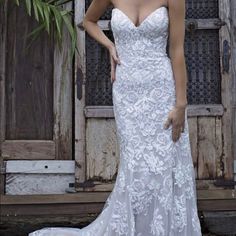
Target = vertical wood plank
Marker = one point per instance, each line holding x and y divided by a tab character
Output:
219	148
206	148
193	136
79	84
102	149
63	77
3	30
226	92
233	72
29	79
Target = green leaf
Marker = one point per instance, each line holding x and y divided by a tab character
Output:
36	14
61	2
68	24
28	6
58	20
52	13
47	17
39	5
36	31
35	34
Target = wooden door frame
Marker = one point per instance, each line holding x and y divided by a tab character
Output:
233	76
3	19
82	112
79	98
226	91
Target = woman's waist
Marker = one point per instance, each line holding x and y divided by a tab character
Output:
142	55
148	63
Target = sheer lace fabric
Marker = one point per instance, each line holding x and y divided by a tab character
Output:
154	193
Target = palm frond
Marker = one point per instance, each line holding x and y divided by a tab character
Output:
51	13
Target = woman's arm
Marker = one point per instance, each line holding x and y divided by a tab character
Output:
93	13
176	49
176	117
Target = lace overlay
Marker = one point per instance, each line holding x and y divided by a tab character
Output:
154	193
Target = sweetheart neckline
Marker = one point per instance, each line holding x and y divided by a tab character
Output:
143	21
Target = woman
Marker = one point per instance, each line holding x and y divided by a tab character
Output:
154	193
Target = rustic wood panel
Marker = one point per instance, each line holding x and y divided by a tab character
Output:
207	148
63	96
205	110
79	102
208	184
207	200
193	137
38	177
99	111
192	111
201	24
233	74
210	165
29	79
3	30
40	167
102	149
28	149
28	184
219	147
99	197
226	91
80	197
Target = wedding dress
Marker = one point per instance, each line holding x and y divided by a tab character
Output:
154	193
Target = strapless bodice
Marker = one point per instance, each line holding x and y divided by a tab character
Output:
146	41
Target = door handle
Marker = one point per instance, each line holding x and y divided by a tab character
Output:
192	25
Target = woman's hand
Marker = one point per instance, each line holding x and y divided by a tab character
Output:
176	117
114	60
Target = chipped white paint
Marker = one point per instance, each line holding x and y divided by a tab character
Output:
38	177
23	184
40	167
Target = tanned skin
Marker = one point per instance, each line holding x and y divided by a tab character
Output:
138	10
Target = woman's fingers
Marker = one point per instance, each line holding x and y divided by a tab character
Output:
167	123
176	131
116	58
176	120
113	67
114	61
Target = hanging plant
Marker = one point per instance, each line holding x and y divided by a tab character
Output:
51	14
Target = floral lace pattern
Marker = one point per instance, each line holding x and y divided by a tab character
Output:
154	193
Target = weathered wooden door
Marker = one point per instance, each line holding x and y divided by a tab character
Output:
36	103
209	112
209	90
96	149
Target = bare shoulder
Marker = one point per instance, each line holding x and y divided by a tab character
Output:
96	9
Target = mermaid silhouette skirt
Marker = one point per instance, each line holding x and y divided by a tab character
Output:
154	193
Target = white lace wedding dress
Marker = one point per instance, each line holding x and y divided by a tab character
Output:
154	193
